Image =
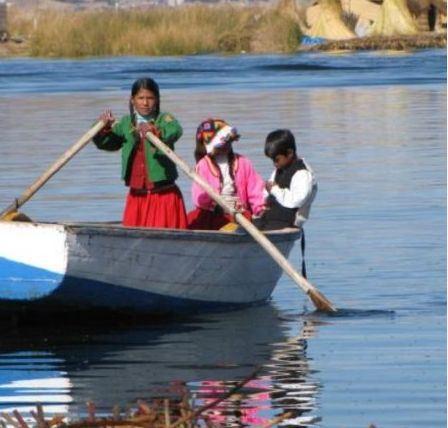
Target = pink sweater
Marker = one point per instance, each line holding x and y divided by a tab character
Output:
249	185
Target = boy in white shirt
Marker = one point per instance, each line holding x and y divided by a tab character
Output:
292	186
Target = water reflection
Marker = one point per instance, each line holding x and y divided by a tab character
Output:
27	378
207	356
294	388
285	384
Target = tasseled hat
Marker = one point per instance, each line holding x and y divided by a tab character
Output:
214	133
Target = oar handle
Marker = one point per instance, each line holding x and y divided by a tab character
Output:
318	298
54	168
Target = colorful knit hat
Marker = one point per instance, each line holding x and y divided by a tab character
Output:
214	133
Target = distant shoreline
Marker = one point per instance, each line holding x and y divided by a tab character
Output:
396	43
191	30
17	49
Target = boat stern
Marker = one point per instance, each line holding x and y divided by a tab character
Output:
33	260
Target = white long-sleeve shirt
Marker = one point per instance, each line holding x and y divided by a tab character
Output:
300	194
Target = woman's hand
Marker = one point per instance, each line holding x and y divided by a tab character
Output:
149	127
108	118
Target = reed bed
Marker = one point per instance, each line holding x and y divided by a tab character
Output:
187	30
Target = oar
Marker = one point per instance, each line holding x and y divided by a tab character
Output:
319	300
28	193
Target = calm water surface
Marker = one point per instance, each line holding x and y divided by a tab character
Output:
372	125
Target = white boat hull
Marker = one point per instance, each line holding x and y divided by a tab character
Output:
157	270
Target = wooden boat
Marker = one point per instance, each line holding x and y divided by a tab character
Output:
104	265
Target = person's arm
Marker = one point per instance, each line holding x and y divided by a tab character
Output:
255	189
112	137
200	197
170	129
271	181
298	193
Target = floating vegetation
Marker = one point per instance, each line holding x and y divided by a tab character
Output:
179	412
161	413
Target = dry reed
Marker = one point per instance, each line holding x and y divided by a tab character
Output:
160	413
187	30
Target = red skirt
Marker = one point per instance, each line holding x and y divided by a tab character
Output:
163	209
200	219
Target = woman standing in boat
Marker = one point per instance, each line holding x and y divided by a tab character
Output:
154	200
230	174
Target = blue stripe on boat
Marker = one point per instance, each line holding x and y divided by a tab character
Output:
24	283
19	281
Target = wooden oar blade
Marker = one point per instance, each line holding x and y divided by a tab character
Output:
15	216
320	301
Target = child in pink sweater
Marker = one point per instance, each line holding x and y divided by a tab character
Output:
230	174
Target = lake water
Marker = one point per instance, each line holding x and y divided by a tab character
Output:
372	125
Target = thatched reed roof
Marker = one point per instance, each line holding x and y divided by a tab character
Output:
325	20
363	8
394	19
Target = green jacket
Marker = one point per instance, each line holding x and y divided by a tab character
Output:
123	136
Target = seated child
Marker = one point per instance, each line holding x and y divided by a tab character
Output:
230	174
292	186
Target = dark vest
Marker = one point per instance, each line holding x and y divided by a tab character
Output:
277	215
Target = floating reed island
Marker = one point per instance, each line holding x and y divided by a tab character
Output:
391	43
285	26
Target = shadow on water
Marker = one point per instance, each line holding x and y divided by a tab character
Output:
321	318
67	365
237	68
168	70
359	313
308	67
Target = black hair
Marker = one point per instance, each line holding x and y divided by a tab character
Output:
199	151
278	142
150	85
